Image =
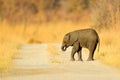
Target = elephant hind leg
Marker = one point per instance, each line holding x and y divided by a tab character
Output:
91	54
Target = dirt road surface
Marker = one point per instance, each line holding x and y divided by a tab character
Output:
48	62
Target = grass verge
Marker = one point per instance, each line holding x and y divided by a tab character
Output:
110	47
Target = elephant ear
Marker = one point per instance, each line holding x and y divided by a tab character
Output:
73	38
67	37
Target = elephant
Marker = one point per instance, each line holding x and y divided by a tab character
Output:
78	39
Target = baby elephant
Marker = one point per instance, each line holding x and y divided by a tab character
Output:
87	38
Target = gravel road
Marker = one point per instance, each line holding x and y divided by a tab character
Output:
40	62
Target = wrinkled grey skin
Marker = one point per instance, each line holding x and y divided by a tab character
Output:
87	38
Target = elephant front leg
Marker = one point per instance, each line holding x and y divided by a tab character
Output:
74	50
72	55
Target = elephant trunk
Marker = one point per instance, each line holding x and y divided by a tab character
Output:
63	48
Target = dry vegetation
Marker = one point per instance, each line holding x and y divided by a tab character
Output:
110	47
44	27
54	54
9	44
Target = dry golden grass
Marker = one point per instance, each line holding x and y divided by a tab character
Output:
51	48
51	32
9	44
110	47
54	54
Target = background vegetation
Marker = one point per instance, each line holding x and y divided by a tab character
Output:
46	21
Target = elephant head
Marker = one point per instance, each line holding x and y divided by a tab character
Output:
68	40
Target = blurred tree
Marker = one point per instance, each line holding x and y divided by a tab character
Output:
21	10
105	14
86	4
1	10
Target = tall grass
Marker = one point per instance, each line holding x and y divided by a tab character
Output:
51	32
110	47
9	44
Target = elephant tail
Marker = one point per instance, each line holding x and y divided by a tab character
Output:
98	44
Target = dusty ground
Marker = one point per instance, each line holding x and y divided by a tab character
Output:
48	62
